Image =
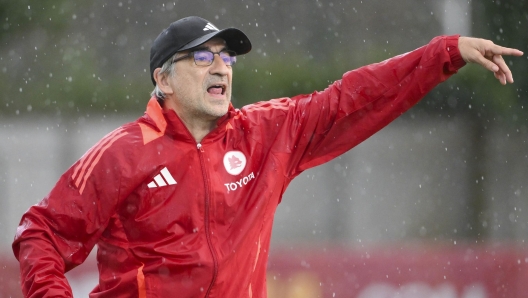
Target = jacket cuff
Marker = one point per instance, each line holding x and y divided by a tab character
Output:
452	48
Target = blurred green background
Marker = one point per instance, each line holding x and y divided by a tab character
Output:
74	59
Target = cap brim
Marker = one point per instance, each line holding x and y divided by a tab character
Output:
235	40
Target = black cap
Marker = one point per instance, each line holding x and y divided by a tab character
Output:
188	33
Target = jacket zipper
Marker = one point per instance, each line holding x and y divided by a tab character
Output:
206	220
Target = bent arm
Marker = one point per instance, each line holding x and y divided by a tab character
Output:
59	232
42	267
49	242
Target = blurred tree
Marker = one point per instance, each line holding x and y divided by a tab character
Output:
476	95
48	65
503	22
476	92
17	17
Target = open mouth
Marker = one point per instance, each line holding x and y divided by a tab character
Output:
217	89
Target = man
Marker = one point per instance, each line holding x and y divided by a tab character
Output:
181	201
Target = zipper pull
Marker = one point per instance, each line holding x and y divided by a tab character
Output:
199	147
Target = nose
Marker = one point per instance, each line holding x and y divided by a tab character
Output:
218	66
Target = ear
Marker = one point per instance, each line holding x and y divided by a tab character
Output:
162	81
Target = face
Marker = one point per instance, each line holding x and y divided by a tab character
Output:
200	92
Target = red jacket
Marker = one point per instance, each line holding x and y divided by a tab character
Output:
173	217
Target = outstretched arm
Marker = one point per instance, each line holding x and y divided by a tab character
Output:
489	55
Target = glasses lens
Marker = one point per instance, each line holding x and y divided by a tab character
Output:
229	57
206	57
203	58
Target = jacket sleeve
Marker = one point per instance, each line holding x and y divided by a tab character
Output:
59	232
323	125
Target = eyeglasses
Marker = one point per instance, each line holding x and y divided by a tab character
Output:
206	57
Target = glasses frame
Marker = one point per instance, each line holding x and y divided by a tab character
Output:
191	54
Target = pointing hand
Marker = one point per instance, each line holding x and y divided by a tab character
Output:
489	55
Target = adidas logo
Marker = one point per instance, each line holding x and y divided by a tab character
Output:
210	26
164	178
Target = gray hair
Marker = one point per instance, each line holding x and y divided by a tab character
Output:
168	70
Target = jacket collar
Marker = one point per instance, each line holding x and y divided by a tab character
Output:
168	123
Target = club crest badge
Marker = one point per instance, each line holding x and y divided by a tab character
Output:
234	162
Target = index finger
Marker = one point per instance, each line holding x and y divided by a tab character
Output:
499	50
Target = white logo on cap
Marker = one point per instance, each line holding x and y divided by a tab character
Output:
210	26
234	162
